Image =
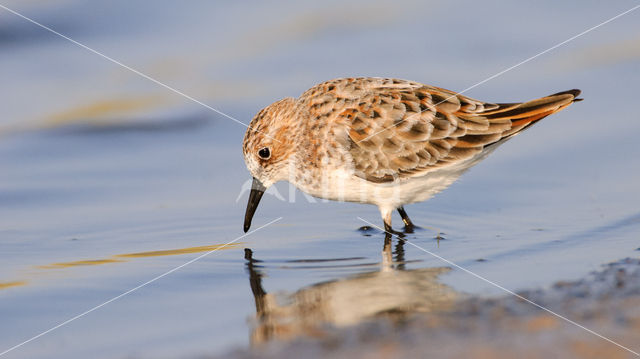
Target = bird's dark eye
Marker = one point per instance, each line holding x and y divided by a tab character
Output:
264	153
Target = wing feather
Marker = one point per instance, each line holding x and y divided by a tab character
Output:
399	129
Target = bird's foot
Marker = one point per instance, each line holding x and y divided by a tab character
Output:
389	230
412	228
409	227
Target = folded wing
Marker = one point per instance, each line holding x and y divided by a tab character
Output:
404	129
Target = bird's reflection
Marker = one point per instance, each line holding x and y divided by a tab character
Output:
393	292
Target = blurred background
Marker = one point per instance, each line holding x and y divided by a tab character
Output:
108	179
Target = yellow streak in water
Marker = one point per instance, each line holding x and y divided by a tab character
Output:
116	259
172	252
12	284
90	262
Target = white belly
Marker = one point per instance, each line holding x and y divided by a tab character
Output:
342	185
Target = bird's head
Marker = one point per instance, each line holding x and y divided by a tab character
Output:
268	149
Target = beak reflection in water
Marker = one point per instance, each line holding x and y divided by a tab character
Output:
257	190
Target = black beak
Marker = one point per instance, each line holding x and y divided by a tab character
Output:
257	190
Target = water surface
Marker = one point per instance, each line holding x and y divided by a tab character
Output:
108	180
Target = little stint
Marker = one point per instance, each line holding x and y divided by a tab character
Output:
381	141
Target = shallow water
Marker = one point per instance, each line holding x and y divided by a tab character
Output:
108	180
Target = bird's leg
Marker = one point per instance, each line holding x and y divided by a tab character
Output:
386	218
408	225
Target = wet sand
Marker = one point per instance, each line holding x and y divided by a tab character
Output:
606	302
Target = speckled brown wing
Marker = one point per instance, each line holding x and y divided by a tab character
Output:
400	129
